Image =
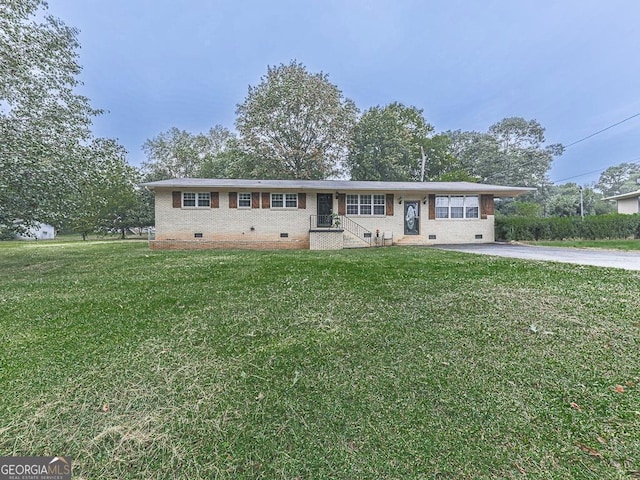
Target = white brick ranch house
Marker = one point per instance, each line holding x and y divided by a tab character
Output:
321	214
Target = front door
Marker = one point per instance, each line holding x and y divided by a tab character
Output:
412	217
325	209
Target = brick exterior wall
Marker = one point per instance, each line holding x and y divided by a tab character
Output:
261	227
326	240
225	245
459	231
228	227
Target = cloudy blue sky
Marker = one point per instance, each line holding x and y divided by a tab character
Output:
573	65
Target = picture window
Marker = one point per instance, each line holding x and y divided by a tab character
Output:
457	206
366	204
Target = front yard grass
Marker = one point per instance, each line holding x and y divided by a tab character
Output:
369	364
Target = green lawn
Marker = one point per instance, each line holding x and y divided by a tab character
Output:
370	364
606	244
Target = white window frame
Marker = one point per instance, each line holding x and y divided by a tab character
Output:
366	204
244	199
382	207
284	201
290	200
457	207
472	202
199	199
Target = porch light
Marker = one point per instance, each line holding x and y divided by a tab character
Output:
337	195
424	200
400	201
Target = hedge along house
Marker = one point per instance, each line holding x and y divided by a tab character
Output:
321	214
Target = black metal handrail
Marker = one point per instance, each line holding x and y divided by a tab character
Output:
340	222
323	221
356	229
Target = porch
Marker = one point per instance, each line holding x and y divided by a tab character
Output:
336	232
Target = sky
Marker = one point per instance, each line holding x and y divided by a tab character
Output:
572	65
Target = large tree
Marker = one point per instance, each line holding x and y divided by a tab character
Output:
179	154
387	144
110	200
232	162
441	165
512	152
44	123
623	178
295	124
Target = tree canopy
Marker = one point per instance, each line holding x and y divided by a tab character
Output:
44	124
618	179
179	154
511	152
294	124
386	144
52	168
111	199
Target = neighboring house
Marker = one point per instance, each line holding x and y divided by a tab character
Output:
627	202
40	231
321	214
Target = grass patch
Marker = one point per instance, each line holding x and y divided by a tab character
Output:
604	244
377	363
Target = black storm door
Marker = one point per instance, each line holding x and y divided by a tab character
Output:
412	218
325	209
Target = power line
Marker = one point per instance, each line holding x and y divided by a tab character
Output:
593	135
564	147
600	131
576	176
634	160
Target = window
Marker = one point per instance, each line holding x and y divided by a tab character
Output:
471	207
291	200
442	207
366	204
457	206
199	199
244	200
188	199
284	200
277	200
204	199
352	205
378	205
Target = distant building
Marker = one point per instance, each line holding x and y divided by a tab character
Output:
40	231
628	203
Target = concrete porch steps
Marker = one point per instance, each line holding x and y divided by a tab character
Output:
351	241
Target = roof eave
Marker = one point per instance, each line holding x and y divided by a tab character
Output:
331	185
624	196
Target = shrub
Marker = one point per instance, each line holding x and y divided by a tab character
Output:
598	227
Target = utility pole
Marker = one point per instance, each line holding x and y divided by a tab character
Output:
581	204
424	160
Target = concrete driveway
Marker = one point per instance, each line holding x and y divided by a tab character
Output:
580	256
